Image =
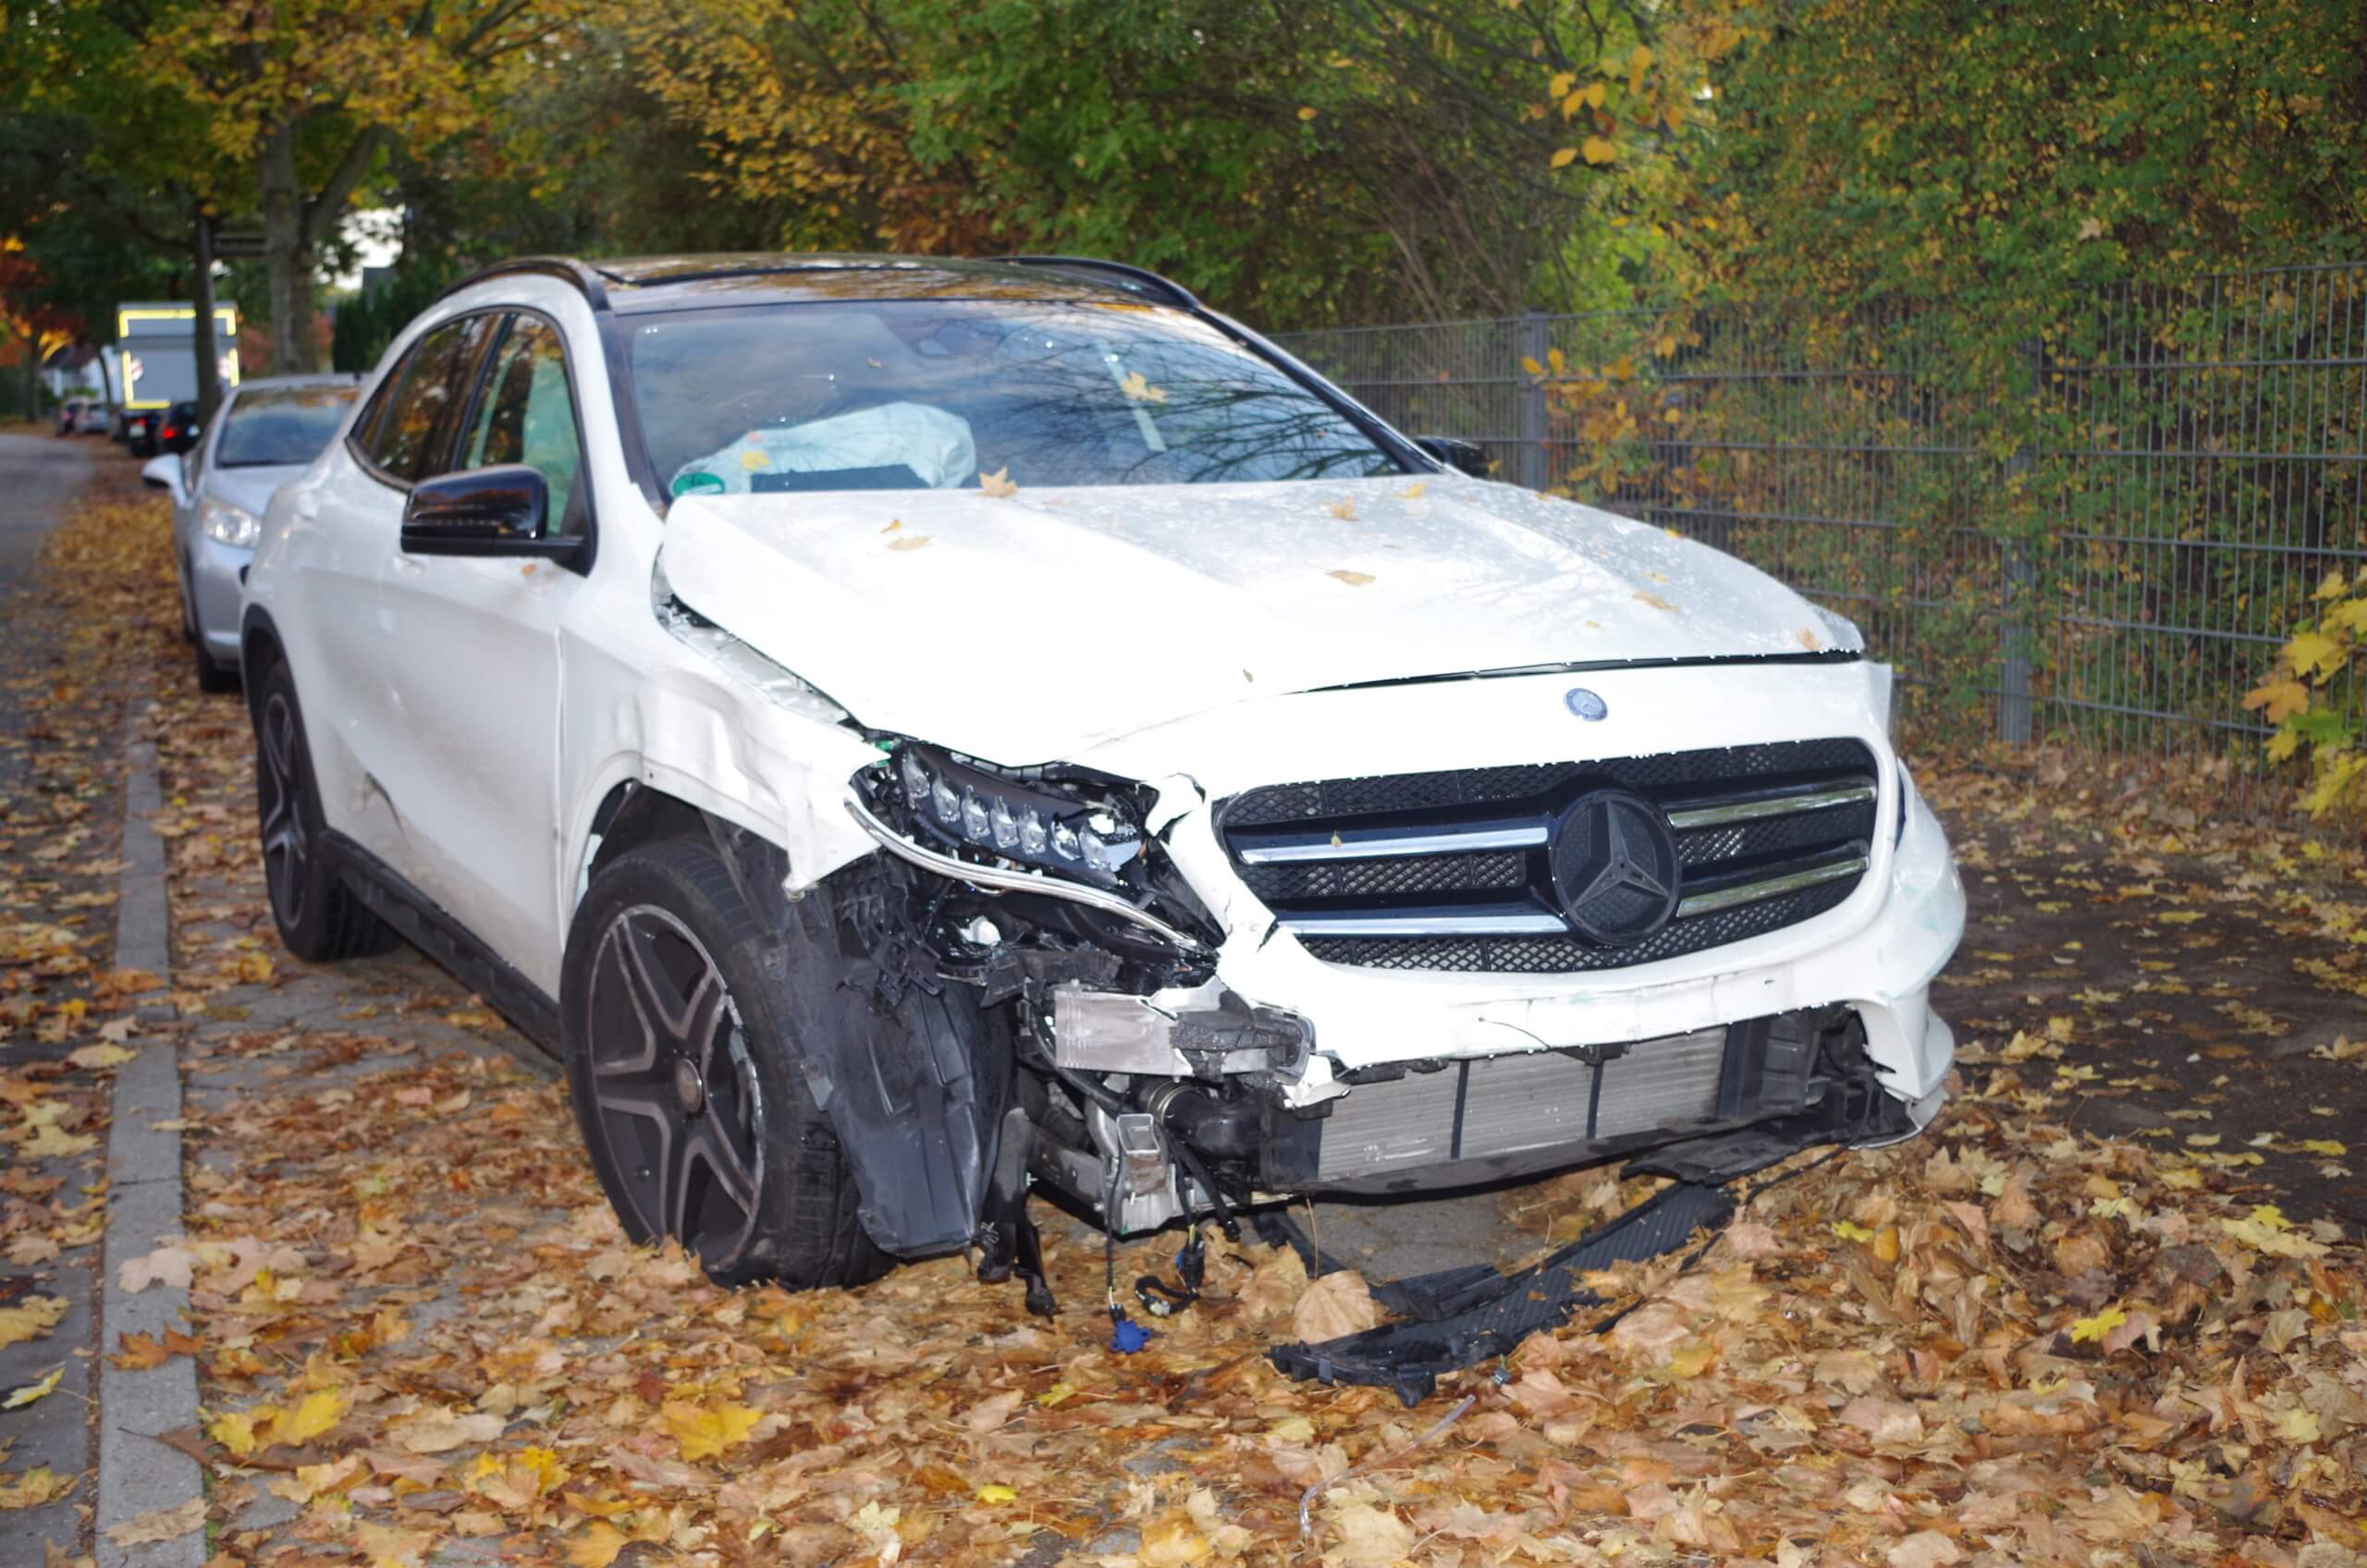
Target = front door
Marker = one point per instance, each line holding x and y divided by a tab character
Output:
477	682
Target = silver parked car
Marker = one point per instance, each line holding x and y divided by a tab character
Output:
266	433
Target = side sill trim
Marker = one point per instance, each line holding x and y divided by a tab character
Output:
392	897
997	880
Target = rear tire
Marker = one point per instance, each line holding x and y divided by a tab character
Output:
212	678
319	917
687	1078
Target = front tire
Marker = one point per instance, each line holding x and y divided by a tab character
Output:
686	1078
319	917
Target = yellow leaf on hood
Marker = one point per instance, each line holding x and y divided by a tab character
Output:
999	483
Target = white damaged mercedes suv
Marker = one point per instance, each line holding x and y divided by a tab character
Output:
902	731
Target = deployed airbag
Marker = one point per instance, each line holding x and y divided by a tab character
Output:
936	446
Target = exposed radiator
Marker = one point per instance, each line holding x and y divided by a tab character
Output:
1518	1104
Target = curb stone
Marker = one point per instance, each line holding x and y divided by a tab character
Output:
138	1474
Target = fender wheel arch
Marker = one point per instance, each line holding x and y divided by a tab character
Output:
880	1055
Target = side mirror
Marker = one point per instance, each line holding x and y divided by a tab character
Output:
1465	457
164	473
486	512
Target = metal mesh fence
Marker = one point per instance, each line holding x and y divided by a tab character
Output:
2100	535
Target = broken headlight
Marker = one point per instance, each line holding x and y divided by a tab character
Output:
1034	821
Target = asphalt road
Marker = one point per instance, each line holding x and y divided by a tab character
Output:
39	476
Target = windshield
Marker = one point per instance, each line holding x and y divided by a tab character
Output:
281	424
907	395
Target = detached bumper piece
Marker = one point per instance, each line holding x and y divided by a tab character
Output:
1461	1317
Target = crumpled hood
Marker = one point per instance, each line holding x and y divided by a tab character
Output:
1023	629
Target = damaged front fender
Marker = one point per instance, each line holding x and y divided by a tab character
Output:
912	1073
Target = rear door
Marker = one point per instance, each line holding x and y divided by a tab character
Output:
353	523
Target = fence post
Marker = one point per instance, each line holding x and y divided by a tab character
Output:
2014	636
1533	470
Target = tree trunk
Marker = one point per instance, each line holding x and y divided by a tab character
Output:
209	375
287	257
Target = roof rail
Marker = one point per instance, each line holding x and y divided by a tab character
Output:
566	268
1135	280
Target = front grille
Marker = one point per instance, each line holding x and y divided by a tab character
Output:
1379	878
1453	871
1563	955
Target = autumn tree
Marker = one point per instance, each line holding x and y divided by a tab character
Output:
1303	162
1992	155
310	93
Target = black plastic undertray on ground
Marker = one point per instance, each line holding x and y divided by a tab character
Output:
1459	1317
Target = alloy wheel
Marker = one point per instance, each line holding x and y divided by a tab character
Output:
287	836
675	1093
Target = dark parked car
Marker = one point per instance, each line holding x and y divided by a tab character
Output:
140	427
178	430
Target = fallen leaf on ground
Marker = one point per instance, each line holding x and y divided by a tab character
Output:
165	1524
19	1398
29	1319
169	1264
34	1487
595	1545
1340	1303
1369	1537
706	1431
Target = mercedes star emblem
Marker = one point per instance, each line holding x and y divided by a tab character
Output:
1615	868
